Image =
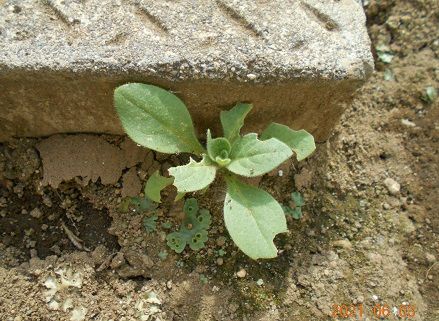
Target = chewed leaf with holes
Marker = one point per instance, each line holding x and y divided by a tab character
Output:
193	176
193	230
253	218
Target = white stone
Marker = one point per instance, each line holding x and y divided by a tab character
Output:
241	273
392	186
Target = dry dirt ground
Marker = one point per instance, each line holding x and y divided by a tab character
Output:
72	248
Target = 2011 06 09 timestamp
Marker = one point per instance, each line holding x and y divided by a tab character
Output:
378	311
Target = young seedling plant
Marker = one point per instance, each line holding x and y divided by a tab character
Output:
159	120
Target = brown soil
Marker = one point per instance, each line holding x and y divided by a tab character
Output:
74	250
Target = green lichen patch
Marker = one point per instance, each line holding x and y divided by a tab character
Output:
193	230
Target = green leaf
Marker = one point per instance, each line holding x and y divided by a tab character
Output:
253	218
232	120
294	210
193	176
155	184
176	242
166	225
203	279
150	223
297	213
218	149
389	75
384	53
179	196
430	94
163	255
193	230
297	199
385	57
142	204
252	157
300	141
155	118
124	205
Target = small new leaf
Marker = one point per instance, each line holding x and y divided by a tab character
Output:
232	120
155	184
193	176
253	218
252	157
218	149
155	118
300	141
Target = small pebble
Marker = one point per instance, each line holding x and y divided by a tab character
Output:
251	76
221	241
36	212
260	282
430	258
33	253
392	186
344	244
408	123
47	201
241	273
219	261
386	206
117	261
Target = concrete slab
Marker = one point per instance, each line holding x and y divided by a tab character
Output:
296	60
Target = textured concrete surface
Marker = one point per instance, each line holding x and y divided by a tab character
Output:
295	60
